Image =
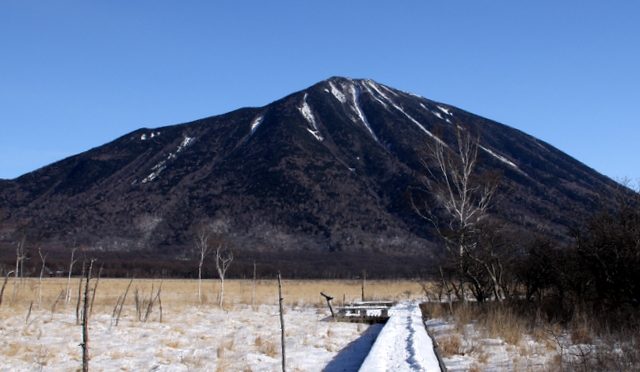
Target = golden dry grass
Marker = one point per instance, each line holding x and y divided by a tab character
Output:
178	294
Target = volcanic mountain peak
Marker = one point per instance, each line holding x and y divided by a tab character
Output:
328	168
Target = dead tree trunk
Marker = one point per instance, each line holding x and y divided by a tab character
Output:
20	256
282	341
253	288
79	294
43	259
85	322
364	280
95	289
71	263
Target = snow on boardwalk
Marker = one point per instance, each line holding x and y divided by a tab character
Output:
403	344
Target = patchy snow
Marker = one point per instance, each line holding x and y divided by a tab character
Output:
389	90
500	157
185	142
476	351
413	120
305	110
403	344
355	95
445	110
366	87
256	123
162	165
145	136
337	93
190	338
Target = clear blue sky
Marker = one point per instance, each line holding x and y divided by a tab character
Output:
77	74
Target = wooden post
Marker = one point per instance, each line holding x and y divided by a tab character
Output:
79	293
280	299
364	279
85	322
253	289
329	298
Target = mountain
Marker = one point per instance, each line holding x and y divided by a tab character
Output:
322	176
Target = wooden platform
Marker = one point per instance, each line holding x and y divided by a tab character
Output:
364	312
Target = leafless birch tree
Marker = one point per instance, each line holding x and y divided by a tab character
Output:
43	258
224	257
20	257
459	198
203	249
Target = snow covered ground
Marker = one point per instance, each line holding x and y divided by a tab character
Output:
192	339
475	351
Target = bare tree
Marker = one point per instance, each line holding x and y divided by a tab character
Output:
282	331
224	257
71	263
459	198
203	249
43	258
85	322
20	257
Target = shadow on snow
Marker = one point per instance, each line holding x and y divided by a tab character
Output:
351	357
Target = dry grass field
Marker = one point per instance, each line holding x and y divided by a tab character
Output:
178	293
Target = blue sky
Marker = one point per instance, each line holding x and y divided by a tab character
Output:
77	74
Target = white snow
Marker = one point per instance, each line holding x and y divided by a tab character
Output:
374	96
477	351
500	157
445	110
388	90
162	165
305	110
337	93
403	344
185	142
356	107
143	137
394	105
189	339
256	123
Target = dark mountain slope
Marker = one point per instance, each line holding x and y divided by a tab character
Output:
326	169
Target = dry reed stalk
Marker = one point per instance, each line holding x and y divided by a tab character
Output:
6	279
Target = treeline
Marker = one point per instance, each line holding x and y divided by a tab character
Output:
292	264
597	273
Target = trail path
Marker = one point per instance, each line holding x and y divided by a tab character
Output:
403	344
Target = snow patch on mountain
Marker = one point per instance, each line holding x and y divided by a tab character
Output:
355	95
337	93
411	118
256	123
306	112
145	136
162	165
445	110
366	86
500	157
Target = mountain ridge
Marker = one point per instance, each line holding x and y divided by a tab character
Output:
327	168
